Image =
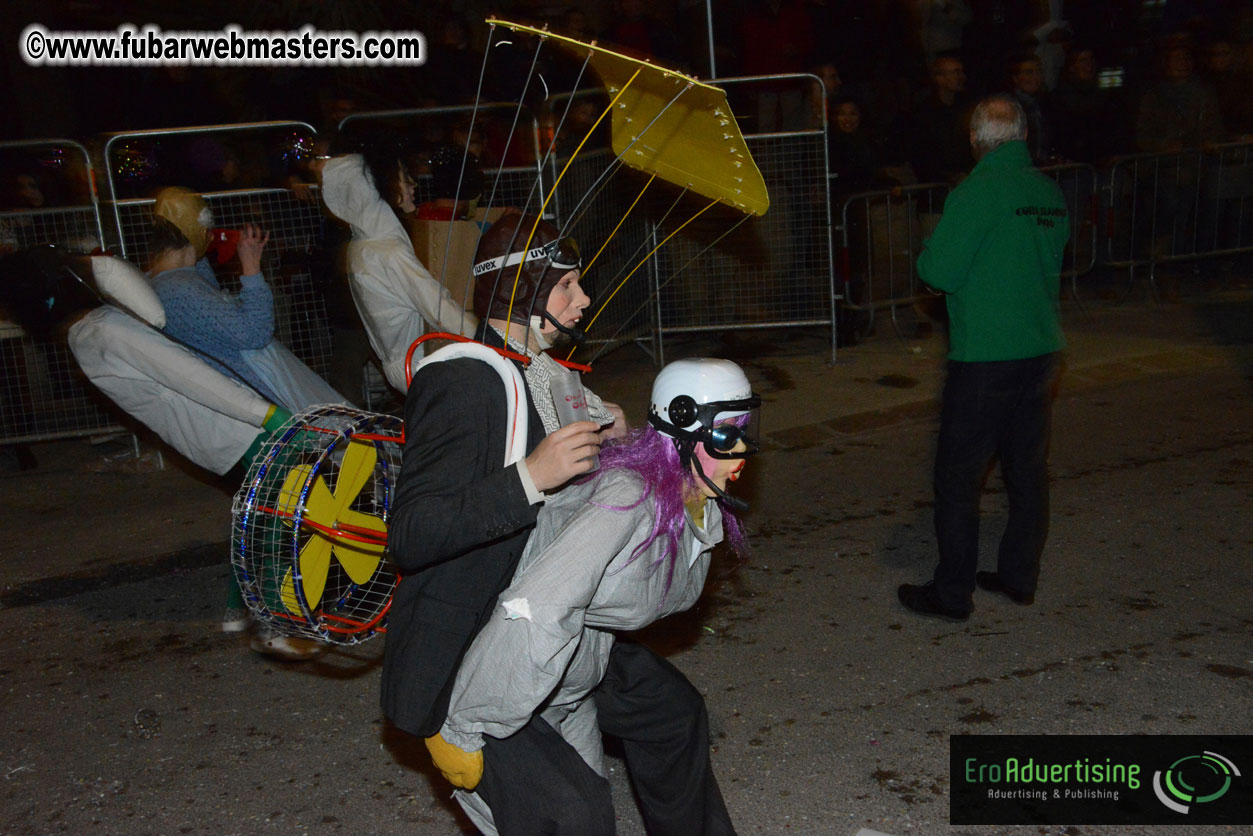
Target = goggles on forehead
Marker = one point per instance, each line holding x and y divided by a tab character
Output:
561	254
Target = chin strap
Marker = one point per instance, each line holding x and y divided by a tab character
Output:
537	331
688	458
575	334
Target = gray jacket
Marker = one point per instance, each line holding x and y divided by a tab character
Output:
547	643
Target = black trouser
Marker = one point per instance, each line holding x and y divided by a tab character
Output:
994	409
536	783
660	717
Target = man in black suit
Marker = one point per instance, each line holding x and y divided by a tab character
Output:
461	520
461	516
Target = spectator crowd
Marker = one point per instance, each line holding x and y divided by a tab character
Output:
1109	77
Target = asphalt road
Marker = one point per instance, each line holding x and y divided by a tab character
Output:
126	712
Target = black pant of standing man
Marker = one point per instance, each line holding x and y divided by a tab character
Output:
993	410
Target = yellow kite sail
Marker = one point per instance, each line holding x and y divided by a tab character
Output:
669	124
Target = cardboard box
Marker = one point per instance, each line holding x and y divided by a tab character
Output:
430	238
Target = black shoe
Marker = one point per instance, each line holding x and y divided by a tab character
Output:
924	601
992	582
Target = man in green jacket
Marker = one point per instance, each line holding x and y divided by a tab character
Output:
997	254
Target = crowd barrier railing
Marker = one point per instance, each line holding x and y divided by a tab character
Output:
43	395
882	233
723	271
775	271
1081	189
294	218
1179	206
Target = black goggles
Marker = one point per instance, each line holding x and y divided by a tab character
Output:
561	254
724	438
720	440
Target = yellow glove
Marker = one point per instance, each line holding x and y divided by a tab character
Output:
461	768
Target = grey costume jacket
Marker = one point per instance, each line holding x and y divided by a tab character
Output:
546	644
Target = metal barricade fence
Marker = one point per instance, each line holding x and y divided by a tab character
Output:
43	395
882	234
626	314
1178	206
294	221
1080	188
773	271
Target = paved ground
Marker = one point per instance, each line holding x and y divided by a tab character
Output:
831	706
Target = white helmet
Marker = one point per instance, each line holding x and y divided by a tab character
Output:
690	397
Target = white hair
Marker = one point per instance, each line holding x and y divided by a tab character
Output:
995	121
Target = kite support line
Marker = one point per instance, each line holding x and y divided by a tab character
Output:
504	154
643	244
643	261
603	245
548	153
478	93
474	112
552	142
617	162
552	191
673	276
625	215
457	338
600	183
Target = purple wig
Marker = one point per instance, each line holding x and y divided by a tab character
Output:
655	459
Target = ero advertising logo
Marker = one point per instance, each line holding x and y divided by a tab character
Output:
1100	779
1194	779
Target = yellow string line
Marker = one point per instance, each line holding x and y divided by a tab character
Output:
643	261
630	208
540	215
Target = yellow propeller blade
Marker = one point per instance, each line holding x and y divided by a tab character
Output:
315	562
354	471
327	509
320	504
289	494
287	594
360	560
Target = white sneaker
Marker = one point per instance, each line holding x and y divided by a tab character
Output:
236	620
291	648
